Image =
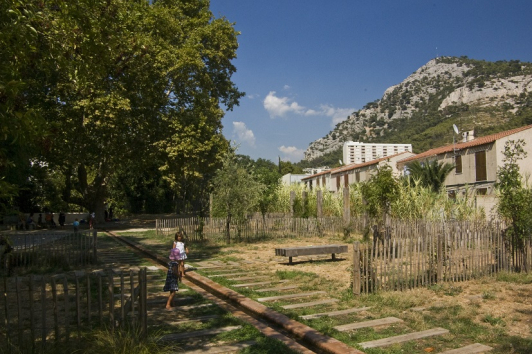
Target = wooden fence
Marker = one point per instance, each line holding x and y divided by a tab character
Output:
38	312
447	252
215	229
50	249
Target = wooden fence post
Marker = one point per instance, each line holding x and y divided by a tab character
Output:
347	207
143	313
110	289
356	268
292	200
304	202
95	246
319	203
440	258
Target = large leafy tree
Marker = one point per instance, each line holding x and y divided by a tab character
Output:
120	84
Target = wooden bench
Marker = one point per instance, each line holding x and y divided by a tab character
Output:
310	250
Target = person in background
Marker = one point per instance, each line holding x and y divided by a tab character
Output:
62	218
30	224
52	221
92	218
75	224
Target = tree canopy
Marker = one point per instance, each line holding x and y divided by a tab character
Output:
100	87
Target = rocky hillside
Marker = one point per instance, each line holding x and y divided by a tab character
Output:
476	95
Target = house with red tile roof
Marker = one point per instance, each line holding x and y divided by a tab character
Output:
319	180
476	163
337	178
356	173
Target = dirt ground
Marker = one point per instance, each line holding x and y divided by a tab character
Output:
508	301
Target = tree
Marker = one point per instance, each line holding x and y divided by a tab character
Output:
380	191
20	121
235	192
430	174
270	178
515	201
121	83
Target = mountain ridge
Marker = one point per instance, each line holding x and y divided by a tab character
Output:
476	95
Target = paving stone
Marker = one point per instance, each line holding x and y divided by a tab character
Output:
290	296
370	323
280	288
335	313
259	283
309	304
470	349
403	338
250	278
233	348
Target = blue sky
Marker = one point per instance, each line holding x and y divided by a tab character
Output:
305	65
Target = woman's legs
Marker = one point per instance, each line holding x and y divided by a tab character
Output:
170	298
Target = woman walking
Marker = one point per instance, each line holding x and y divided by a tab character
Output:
171	277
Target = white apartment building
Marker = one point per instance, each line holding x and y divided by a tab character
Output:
356	152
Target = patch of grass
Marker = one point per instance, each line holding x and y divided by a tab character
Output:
294	274
267	345
494	321
446	289
517	278
488	295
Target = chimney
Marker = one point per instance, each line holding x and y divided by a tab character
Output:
468	136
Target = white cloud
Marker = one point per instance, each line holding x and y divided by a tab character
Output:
286	87
337	114
292	153
243	133
252	96
280	106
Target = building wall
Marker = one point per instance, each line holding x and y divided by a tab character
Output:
290	178
356	152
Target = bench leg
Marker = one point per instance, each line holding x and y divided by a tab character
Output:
289	260
333	257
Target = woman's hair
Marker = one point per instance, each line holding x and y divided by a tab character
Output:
177	234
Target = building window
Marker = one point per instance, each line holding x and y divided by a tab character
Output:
458	163
480	166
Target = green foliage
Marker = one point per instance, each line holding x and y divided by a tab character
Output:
430	174
115	86
380	191
236	193
515	199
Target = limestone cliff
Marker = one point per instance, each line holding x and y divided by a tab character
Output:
470	91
